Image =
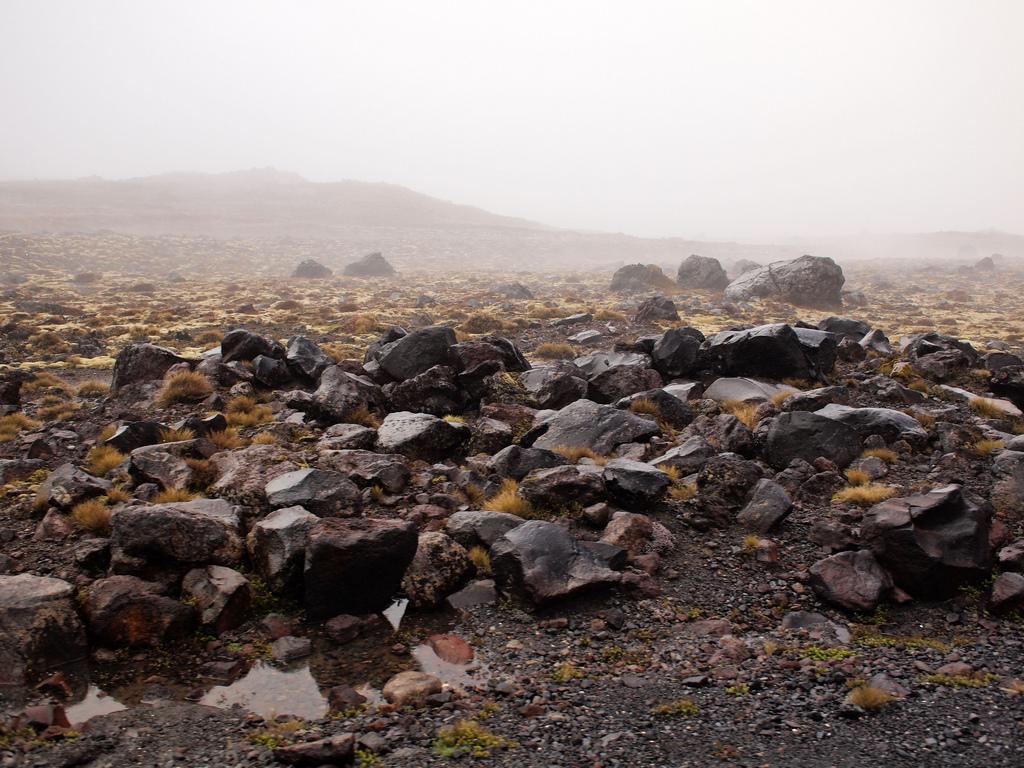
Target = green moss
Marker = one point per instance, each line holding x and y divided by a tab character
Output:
678	708
468	737
565	672
960	681
818	653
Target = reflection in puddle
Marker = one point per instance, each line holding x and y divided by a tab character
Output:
95	703
394	612
458	676
268	691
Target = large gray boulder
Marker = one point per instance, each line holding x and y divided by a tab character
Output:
321	491
277	547
675	352
555	384
633	484
67	485
417	352
586	424
563	488
422	436
39	628
767	351
473	528
187	533
810	281
356	565
803	435
688	457
127	611
888	423
368	468
440	566
768	506
931	543
637	278
370	265
702	272
541	562
517	462
853	581
341	393
306	359
220	595
139	363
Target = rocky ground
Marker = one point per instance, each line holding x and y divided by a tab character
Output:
527	522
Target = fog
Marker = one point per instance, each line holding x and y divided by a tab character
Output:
704	120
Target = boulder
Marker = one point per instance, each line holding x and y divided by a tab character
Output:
331	750
931	543
320	491
768	351
417	352
440	566
513	291
811	281
340	437
67	485
638	278
702	272
221	595
340	393
370	265
367	468
667	408
306	359
161	465
422	436
744	390
586	424
242	474
688	457
541	561
564	487
434	391
311	269
845	327
853	581
277	547
240	344
890	424
556	384
768	506
126	611
1008	592
654	309
675	352
39	628
136	434
727	479
633	484
472	528
184	533
517	462
139	363
355	565
411	688
803	435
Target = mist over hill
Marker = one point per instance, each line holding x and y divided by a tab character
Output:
348	218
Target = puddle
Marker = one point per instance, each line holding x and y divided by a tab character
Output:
395	612
458	676
268	691
95	703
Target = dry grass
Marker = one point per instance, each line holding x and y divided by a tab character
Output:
987	408
453	419
226	439
184	387
171	495
360	324
864	495
264	438
869	698
750	543
745	412
481	559
573	455
482	322
244	411
507	499
176	435
93	389
44	380
118	495
857	477
985	448
555	351
106	433
474	495
646	407
103	458
780	397
885	454
92	515
682	491
363	416
609	314
13	424
62	411
674	473
204	473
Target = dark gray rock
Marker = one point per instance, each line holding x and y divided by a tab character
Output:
422	436
811	281
126	611
768	506
311	269
670	409
541	562
39	629
656	308
370	265
320	491
633	484
702	272
440	567
803	435
853	581
675	353
367	468
355	565
564	487
240	344
341	393
890	424
277	547
638	278
768	351
306	359
220	595
586	424
136	434
555	384
417	352
517	462
472	528
139	363
67	485
688	457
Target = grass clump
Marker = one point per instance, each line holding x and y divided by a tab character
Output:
857	477
573	454
226	439
507	499
987	408
565	672
61	411
864	495
644	406
555	351
13	424
92	389
44	380
468	737
888	455
959	681
985	448
184	387
362	416
684	707
745	412
92	515
101	459
176	435
869	698
682	491
482	322
481	558
172	495
609	314
244	411
780	397
264	438
820	653
118	495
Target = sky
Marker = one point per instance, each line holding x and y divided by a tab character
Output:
722	118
